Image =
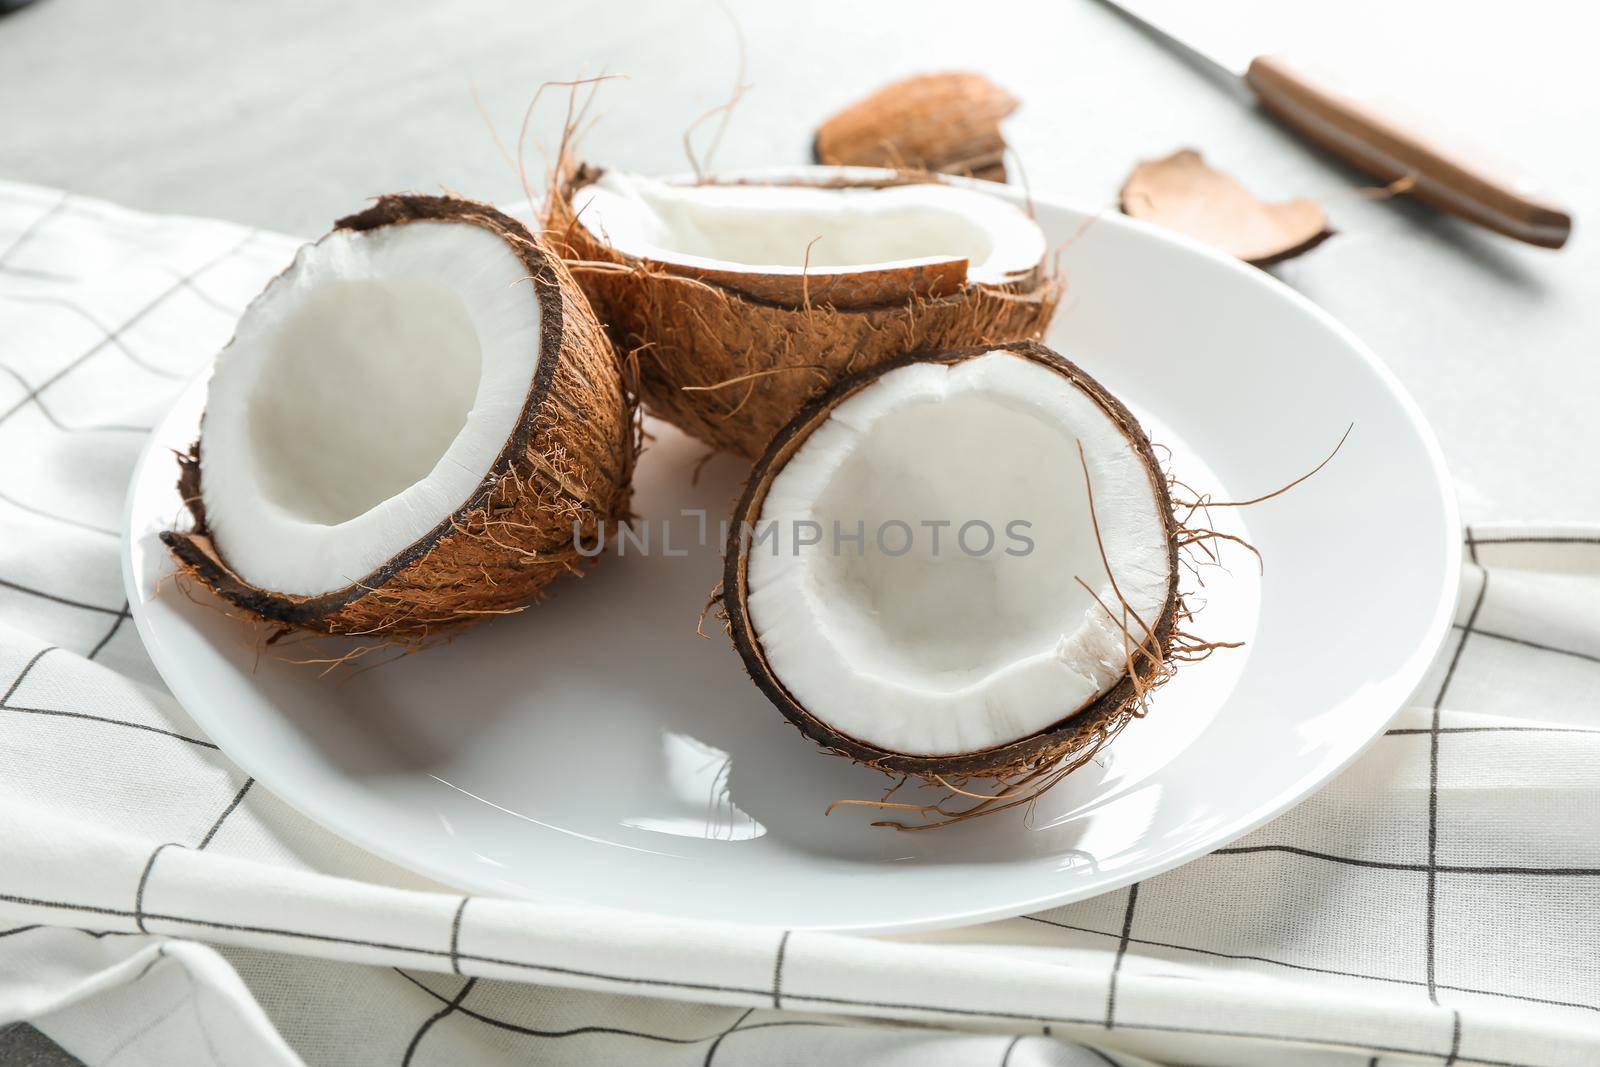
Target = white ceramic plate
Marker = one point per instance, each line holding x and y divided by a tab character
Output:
596	750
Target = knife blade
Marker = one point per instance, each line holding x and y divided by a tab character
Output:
1353	129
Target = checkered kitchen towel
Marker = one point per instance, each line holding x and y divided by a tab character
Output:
1438	903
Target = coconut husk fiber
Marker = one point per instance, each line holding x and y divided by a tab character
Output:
947	122
1027	763
567	464
731	368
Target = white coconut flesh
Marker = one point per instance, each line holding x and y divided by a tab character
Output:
364	397
787	230
938	651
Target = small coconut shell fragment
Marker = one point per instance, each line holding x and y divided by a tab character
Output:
1182	192
948	122
565	468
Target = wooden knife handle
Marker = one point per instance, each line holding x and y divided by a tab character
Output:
1356	133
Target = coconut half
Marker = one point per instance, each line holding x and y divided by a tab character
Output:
741	301
837	244
1010	598
408	429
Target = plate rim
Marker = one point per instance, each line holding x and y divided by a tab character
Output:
1421	657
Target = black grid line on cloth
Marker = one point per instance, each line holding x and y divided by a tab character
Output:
415	950
84	715
84	313
133	1038
32	272
96	934
1395	865
1433	777
627	979
161	954
1405	730
238	798
1122	950
28	667
777	970
1313	968
711	1053
127	324
38	902
455	935
428	1023
110	216
51	417
1529	539
221	306
144	881
29	231
22	675
53	598
1574	653
116	624
52	517
1259	1035
618	1031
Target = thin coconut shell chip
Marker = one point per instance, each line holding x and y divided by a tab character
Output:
947	122
1184	193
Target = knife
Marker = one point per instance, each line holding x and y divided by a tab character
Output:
1360	134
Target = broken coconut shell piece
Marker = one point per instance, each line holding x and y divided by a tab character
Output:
738	302
948	122
1183	193
406	430
998	651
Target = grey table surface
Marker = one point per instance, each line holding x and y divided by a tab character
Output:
288	114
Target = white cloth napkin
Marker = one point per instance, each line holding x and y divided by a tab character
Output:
1436	904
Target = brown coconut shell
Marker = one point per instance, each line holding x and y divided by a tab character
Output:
731	368
1184	193
948	122
1072	740
568	461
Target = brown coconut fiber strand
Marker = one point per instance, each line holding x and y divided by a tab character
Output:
567	465
947	122
1184	193
1016	770
731	368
